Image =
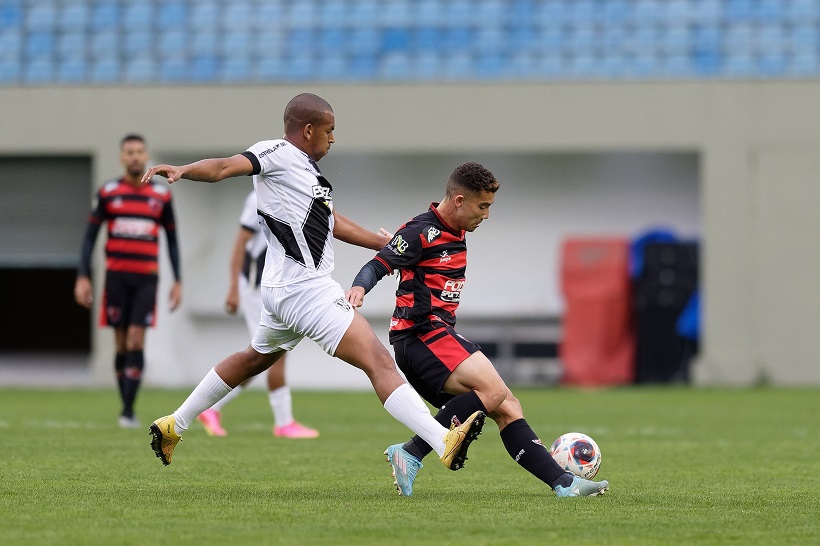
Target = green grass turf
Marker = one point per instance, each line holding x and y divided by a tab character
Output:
685	467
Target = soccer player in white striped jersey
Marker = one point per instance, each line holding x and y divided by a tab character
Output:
299	297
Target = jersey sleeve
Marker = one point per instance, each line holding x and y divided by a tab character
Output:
404	249
249	217
269	157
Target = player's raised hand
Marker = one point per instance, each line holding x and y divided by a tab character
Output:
171	172
386	235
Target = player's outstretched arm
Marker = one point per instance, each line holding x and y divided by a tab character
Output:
370	274
352	233
204	170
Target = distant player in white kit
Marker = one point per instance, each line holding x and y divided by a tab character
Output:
300	298
246	265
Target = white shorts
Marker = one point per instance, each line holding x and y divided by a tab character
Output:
316	309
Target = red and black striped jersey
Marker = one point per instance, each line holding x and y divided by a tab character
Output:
431	258
133	215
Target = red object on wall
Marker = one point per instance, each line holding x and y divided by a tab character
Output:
598	341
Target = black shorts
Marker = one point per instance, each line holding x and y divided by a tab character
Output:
427	360
129	299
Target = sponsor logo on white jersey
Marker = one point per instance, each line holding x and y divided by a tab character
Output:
321	192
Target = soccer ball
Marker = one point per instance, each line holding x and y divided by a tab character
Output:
577	453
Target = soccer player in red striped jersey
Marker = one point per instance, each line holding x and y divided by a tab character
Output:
445	368
133	213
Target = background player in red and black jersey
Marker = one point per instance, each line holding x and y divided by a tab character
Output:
447	370
133	213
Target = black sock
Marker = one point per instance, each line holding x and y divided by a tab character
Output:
527	450
119	371
461	406
132	377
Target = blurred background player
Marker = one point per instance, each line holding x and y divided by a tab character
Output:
133	213
446	369
247	262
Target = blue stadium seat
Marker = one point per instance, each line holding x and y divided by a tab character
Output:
802	11
803	38
11	43
204	42
582	39
740	66
238	15
332	68
707	12
10	71
140	70
458	67
552	66
489	13
173	15
490	40
236	69
677	12
41	17
772	65
137	43
426	66
426	39
740	37
268	44
72	71
75	16
459	13
771	11
39	44
105	70
237	44
646	12
336	14
429	13
172	43
365	42
804	64
299	68
268	69
676	39
615	12
173	70
708	37
739	10
771	38
455	40
299	41
612	66
71	45
305	14
11	16
614	37
204	69
676	66
583	67
493	66
105	16
363	67
138	15
582	13
333	40
707	62
39	71
395	13
395	39
204	16
395	66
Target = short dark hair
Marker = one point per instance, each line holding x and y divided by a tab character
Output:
303	109
132	137
471	177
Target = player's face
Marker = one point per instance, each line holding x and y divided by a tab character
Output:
474	209
321	137
134	157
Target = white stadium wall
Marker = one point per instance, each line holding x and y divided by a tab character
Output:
733	164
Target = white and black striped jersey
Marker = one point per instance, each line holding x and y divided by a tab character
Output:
296	205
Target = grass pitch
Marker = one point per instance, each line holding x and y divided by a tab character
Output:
685	466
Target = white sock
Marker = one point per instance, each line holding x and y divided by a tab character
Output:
230	396
281	405
407	407
209	391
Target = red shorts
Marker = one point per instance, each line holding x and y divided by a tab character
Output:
427	360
